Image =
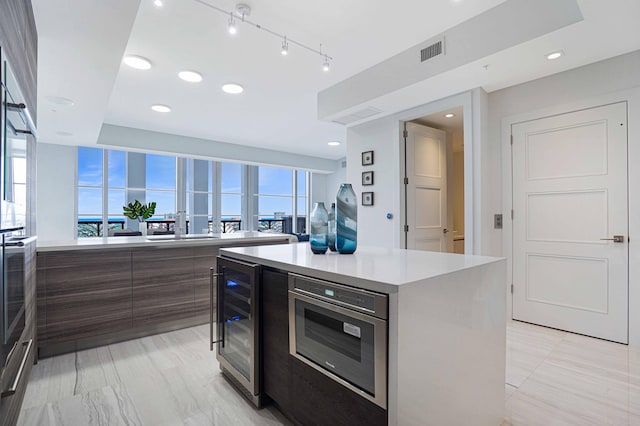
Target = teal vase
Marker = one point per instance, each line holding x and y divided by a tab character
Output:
346	220
332	227
318	239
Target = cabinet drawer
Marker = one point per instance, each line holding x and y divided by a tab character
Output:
75	316
162	303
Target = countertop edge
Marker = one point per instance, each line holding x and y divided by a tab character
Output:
341	278
108	244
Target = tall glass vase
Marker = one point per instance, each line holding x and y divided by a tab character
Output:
346	220
318	239
332	227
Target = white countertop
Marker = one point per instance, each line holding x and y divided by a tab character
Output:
242	237
388	268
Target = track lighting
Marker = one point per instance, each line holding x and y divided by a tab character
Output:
232	25
240	14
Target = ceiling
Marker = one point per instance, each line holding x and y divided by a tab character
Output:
82	42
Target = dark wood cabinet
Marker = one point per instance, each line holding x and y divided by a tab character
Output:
19	39
323	401
10	405
88	298
85	293
302	393
163	284
275	337
204	260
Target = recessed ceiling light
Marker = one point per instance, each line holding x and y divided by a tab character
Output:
137	62
60	101
232	88
160	108
190	76
333	143
158	3
555	55
449	115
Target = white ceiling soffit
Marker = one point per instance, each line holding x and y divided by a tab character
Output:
502	27
80	45
146	140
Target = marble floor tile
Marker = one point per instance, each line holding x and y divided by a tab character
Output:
553	378
110	405
51	379
602	358
508	391
527	347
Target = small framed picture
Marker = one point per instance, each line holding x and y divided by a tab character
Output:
367	178
367	198
367	158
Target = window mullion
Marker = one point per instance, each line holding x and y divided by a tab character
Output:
105	193
294	206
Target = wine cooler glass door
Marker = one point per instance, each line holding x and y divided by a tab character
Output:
237	321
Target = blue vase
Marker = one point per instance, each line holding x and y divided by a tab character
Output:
346	220
332	227
318	239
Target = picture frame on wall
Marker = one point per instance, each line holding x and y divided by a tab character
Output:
367	178
367	158
367	198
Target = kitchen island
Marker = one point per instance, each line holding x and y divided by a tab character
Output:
96	291
446	335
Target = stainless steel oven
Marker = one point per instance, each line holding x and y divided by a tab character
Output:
340	331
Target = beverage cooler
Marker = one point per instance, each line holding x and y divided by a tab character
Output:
237	326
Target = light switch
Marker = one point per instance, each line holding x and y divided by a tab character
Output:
497	221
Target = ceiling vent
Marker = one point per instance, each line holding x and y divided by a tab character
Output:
357	116
433	50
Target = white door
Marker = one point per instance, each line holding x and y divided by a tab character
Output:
569	196
426	165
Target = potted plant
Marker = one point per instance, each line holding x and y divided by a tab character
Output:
140	212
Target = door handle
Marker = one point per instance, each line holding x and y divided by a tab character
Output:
615	239
16	381
445	230
212	276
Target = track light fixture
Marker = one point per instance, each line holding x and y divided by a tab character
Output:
240	14
325	65
231	27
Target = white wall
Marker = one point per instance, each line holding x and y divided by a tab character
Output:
613	80
380	136
56	194
333	181
383	136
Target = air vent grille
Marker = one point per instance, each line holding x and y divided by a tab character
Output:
432	51
357	116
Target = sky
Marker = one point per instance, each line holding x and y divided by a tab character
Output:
275	183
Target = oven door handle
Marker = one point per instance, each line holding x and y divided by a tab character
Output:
18	378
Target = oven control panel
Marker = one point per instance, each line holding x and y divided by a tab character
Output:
363	300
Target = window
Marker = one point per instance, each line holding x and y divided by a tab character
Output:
160	184
214	193
275	198
90	188
231	197
199	196
117	192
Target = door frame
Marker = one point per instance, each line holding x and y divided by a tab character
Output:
475	113
632	99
